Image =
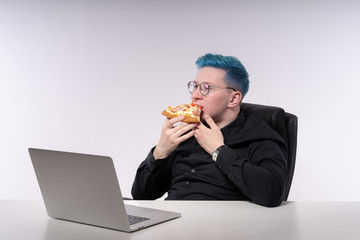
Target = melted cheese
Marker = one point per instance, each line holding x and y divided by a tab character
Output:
186	110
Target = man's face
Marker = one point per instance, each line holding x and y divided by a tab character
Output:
216	101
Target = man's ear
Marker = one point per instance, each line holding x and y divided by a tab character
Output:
235	99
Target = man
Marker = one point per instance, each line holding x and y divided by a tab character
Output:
227	156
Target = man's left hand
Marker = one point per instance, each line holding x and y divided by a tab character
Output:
209	138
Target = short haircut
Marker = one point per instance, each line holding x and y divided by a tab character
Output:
236	74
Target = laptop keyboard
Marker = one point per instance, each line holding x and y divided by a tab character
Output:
136	219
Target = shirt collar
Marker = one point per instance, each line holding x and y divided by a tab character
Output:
232	128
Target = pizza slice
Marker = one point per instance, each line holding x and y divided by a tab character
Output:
190	111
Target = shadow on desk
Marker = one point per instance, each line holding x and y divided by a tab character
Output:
60	229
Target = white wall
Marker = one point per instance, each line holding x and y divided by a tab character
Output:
71	71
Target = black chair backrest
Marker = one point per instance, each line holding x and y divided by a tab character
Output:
286	124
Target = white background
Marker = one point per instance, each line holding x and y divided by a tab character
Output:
94	76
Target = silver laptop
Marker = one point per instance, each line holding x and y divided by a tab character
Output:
84	188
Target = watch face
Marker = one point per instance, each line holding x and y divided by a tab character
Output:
215	154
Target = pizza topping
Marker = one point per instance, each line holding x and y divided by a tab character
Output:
196	112
175	109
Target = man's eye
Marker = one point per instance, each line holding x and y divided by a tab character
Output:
206	86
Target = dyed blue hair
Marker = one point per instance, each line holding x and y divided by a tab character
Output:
236	74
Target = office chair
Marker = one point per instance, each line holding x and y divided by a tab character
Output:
286	124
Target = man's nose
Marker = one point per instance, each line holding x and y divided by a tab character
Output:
196	94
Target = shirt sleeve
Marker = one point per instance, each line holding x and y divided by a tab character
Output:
153	178
261	175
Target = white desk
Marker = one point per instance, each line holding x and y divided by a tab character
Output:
27	219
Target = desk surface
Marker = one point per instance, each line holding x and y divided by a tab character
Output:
27	219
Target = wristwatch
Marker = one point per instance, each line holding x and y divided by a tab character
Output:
215	153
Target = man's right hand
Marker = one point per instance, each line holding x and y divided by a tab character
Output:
171	136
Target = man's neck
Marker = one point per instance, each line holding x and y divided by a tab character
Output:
228	117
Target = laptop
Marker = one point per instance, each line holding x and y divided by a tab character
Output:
84	188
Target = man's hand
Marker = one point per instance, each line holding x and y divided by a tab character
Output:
209	138
171	136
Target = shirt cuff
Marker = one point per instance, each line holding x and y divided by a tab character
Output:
227	158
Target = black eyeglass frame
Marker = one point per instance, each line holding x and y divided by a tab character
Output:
202	88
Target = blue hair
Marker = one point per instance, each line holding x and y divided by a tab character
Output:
236	74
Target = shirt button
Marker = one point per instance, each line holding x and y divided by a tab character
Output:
192	170
187	182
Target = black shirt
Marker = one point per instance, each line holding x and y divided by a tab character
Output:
251	167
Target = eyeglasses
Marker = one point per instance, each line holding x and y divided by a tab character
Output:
204	87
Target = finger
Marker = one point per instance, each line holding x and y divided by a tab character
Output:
196	132
176	127
183	128
186	136
176	119
171	122
201	126
210	122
